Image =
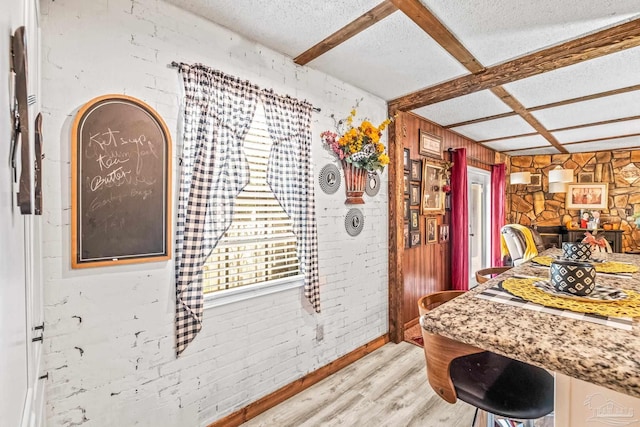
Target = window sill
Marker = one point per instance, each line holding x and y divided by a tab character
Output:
230	296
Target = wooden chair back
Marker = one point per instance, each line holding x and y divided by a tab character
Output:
439	351
486	273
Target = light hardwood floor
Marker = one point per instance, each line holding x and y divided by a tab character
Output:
385	388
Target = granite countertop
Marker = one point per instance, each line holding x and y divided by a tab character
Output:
595	353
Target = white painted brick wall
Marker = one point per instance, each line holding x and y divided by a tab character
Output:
109	331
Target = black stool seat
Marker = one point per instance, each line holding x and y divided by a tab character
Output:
503	386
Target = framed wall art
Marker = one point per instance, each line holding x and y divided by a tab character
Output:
414	195
585	177
406	235
406	209
431	230
415	174
415	239
444	232
407	159
536	180
432	194
406	184
587	196
430	144
414	219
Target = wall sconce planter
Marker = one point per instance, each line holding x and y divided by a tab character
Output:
355	180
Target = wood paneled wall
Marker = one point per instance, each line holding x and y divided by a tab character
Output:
417	271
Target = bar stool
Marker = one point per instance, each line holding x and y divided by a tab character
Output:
494	383
487	273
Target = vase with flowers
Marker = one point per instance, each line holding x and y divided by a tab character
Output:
360	152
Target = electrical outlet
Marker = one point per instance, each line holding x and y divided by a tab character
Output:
319	332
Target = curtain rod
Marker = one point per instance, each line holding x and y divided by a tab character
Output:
451	150
175	64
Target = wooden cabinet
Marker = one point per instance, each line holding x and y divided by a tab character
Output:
614	237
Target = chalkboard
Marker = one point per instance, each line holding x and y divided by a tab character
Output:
121	183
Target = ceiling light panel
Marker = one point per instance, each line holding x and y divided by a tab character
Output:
627	127
365	59
602	74
468	107
517	143
628	142
287	26
497	30
594	110
498	128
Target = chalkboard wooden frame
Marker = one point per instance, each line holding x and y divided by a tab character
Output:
120	160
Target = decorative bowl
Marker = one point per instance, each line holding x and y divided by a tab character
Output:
576	251
574	277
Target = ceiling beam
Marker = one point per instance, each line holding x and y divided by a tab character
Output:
431	25
594	45
550	105
506	97
360	24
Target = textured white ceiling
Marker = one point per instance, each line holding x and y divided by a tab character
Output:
518	143
395	57
602	74
627	127
606	145
417	61
286	26
461	109
594	110
497	30
497	128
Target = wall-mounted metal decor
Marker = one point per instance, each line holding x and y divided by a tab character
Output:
20	115
373	184
354	222
330	178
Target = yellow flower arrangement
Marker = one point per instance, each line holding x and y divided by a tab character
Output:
358	145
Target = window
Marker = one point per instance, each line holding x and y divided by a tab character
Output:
259	246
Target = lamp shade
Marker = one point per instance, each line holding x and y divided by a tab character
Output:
560	175
558	187
520	178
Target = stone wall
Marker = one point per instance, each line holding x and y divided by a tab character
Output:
528	204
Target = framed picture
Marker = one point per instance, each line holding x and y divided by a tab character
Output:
414	196
585	177
587	196
536	180
406	235
406	209
444	233
406	184
430	144
432	233
432	194
414	219
415	170
407	159
415	239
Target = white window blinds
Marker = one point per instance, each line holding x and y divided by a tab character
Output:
260	245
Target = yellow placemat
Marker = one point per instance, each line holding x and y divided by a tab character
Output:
523	288
601	267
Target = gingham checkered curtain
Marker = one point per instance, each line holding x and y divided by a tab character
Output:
218	110
290	177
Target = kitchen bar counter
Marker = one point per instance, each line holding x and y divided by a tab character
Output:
590	352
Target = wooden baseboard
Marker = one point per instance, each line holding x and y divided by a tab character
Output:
411	323
269	401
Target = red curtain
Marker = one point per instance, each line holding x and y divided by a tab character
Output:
459	221
498	192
